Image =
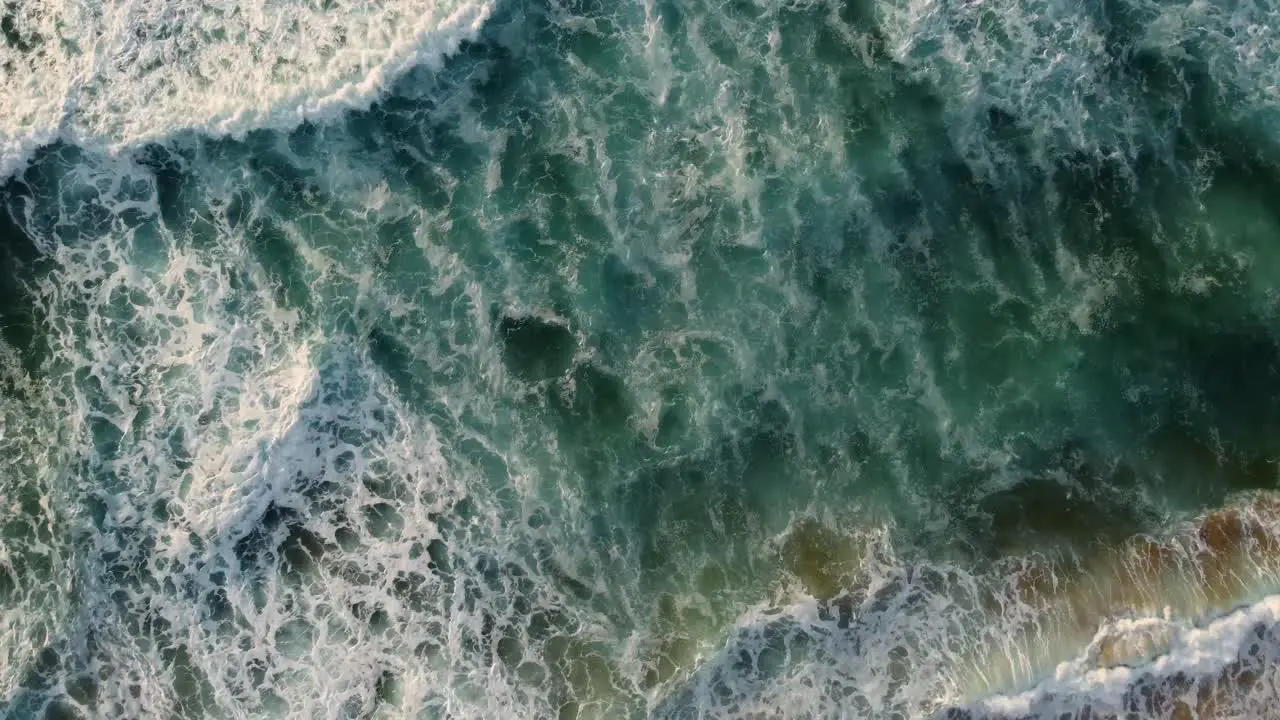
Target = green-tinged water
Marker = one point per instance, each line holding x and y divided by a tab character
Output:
647	359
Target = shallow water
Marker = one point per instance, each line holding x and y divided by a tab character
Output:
576	360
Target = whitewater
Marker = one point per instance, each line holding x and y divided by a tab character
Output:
566	359
113	76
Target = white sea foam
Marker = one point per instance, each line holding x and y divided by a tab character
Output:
109	75
1203	652
290	511
214	398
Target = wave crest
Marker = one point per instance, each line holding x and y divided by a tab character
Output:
111	75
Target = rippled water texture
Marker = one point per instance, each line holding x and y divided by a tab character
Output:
645	359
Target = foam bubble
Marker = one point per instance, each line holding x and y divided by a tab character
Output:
112	75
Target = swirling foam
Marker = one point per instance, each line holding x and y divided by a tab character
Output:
116	74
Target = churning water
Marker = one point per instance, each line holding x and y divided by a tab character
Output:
641	359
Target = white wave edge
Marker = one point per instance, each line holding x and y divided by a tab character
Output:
1197	650
428	45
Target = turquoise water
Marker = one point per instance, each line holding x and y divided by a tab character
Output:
652	359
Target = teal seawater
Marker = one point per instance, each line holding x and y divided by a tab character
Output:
502	397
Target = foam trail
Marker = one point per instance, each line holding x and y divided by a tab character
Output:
108	76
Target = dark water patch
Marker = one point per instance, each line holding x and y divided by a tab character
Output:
1238	378
491	465
388	690
383	486
21	266
594	400
83	689
399	252
546	562
413	376
279	541
29	532
44	671
416	590
764	456
62	710
293	187
497	80
381	520
599	45
675	423
1075	500
1098	209
52	688
536	349
173	182
422	150
563	183
636	299
285	269
1203	469
307	140
716	499
656	507
398	362
238	209
17	36
301	550
193	695
215	604
821	558
1114	205
424	174
533	246
126	566
1200	407
591	411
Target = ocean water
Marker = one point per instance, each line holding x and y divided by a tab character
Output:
708	359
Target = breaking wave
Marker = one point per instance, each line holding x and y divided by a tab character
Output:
113	75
